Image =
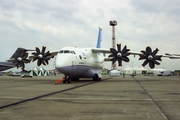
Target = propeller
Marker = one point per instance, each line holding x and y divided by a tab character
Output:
150	57
42	57
120	55
20	58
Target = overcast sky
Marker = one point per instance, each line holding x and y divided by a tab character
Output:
60	23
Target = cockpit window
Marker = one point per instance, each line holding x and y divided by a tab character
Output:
67	51
61	51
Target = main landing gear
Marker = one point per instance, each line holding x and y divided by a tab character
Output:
96	78
68	79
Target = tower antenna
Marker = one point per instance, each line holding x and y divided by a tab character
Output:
113	23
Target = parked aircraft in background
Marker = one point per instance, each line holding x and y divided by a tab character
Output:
18	58
77	63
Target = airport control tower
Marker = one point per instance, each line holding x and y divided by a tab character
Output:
113	23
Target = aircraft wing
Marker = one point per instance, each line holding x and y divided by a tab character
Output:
107	51
147	55
100	50
173	56
6	65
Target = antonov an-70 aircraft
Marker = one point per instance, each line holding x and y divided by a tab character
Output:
77	63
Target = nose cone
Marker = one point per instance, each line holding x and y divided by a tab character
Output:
62	62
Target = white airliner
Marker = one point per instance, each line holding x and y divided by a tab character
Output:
77	63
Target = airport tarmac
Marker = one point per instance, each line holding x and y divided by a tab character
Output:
113	98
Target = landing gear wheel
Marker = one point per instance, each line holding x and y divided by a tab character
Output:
69	80
96	78
64	81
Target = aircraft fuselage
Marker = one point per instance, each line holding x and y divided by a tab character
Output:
79	62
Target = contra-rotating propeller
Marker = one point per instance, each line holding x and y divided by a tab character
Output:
42	57
19	58
120	55
150	57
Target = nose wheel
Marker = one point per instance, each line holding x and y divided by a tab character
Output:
67	80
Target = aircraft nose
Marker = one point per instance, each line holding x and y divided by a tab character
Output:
62	61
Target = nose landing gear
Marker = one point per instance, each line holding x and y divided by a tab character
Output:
67	80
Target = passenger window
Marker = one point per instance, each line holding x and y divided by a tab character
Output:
80	57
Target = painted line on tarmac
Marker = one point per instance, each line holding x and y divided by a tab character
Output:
113	99
49	94
105	99
152	99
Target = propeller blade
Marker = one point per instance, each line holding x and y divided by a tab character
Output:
39	62
46	62
155	52
37	50
158	57
119	47
43	63
22	65
47	54
35	58
113	51
18	64
148	50
120	61
43	50
155	62
126	54
15	55
112	55
47	58
151	64
124	49
145	62
142	57
26	61
25	56
125	59
19	53
22	53
14	62
144	52
114	60
35	54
